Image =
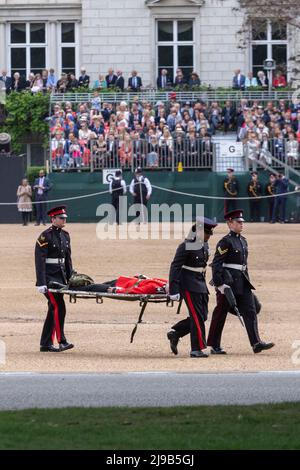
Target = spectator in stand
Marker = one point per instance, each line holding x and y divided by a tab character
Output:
265	157
37	85
134	82
125	150
18	83
228	116
194	80
51	81
262	80
5	81
120	82
29	81
45	79
152	150
215	117
95	103
97	125
111	78
238	81
279	80
72	82
163	82
24	194
84	79
179	81
62	83
100	83
100	151
76	154
252	150
165	147
292	150
279	147
250	81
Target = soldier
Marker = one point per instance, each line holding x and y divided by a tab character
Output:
230	269
53	263
231	190
141	190
187	279
254	190
117	188
270	190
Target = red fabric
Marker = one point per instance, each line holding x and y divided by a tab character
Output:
56	317
279	81
194	314
143	286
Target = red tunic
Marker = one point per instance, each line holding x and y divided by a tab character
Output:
132	285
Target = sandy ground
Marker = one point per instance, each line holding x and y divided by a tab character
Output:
101	333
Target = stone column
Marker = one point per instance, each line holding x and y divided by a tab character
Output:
3	47
53	41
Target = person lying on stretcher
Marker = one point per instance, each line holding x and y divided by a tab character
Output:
138	284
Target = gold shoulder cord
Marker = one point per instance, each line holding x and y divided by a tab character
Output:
228	190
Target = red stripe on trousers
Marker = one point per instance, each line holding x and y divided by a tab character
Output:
56	318
192	309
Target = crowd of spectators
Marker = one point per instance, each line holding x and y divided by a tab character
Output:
47	81
147	135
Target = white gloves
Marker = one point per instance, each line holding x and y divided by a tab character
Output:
175	297
42	289
222	288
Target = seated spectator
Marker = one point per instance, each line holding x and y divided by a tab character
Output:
51	81
250	81
111	78
84	79
100	83
179	81
279	80
194	80
228	116
163	81
215	117
262	80
97	126
238	81
134	82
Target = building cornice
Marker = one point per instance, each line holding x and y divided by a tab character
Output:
171	3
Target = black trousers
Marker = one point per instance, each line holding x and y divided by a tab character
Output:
194	324
55	320
41	209
254	210
229	205
116	204
247	309
25	217
271	202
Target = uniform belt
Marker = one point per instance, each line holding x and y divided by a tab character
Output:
196	270
239	267
55	260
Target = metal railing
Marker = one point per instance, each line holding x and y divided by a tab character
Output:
163	154
276	153
153	96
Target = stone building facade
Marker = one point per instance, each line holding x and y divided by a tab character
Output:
145	35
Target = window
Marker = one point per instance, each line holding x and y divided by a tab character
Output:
269	41
27	48
68	48
175	46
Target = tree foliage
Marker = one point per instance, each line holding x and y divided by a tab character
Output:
26	118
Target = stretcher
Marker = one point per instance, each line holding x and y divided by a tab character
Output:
143	299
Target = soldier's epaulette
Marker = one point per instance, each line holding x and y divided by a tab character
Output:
42	240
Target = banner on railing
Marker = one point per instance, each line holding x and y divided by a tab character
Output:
108	175
231	148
